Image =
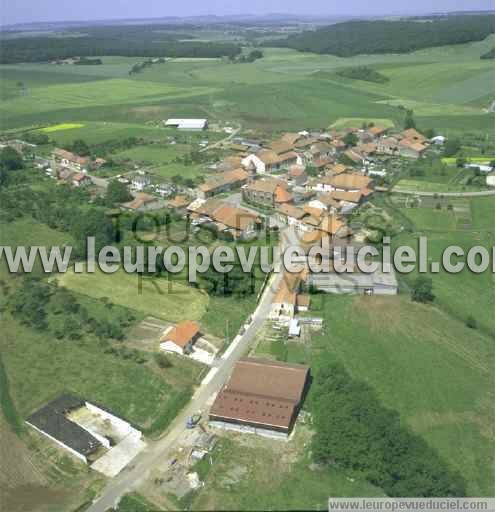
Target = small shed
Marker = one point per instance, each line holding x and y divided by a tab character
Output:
294	328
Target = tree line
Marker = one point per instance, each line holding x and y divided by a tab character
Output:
132	41
384	36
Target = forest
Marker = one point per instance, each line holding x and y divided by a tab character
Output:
125	41
372	37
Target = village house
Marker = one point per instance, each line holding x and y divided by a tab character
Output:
142	203
347	201
266	192
346	182
349	182
355	156
63	158
284	303
240	223
140	181
179	202
408	148
261	397
291	216
267	161
222	183
81	180
367	150
324	202
413	135
180	338
387	146
412	144
335	169
377	131
297	175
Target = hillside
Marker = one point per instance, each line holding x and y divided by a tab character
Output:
372	37
489	55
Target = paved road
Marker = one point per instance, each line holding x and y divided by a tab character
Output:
444	194
222	141
159	451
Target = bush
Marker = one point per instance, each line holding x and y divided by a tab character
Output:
363	73
422	290
162	360
471	322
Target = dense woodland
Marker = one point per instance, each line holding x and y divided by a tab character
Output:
368	37
127	41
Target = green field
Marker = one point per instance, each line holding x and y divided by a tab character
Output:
468	224
425	364
158	297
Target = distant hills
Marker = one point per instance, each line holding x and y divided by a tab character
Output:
391	36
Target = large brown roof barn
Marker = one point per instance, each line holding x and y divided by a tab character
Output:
262	394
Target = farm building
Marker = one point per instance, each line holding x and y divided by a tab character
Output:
375	283
89	432
222	183
180	339
261	397
51	421
187	124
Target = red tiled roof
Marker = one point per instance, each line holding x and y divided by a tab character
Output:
182	333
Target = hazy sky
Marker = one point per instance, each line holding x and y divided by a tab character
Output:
18	11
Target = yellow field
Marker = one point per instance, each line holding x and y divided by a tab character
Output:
60	127
470	159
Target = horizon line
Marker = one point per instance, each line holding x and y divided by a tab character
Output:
246	16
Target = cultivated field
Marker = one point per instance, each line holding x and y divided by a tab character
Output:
449	88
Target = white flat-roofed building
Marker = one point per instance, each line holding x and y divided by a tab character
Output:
187	124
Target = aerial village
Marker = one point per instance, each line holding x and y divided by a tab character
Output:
305	186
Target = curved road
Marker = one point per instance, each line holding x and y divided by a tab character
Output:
162	450
481	193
